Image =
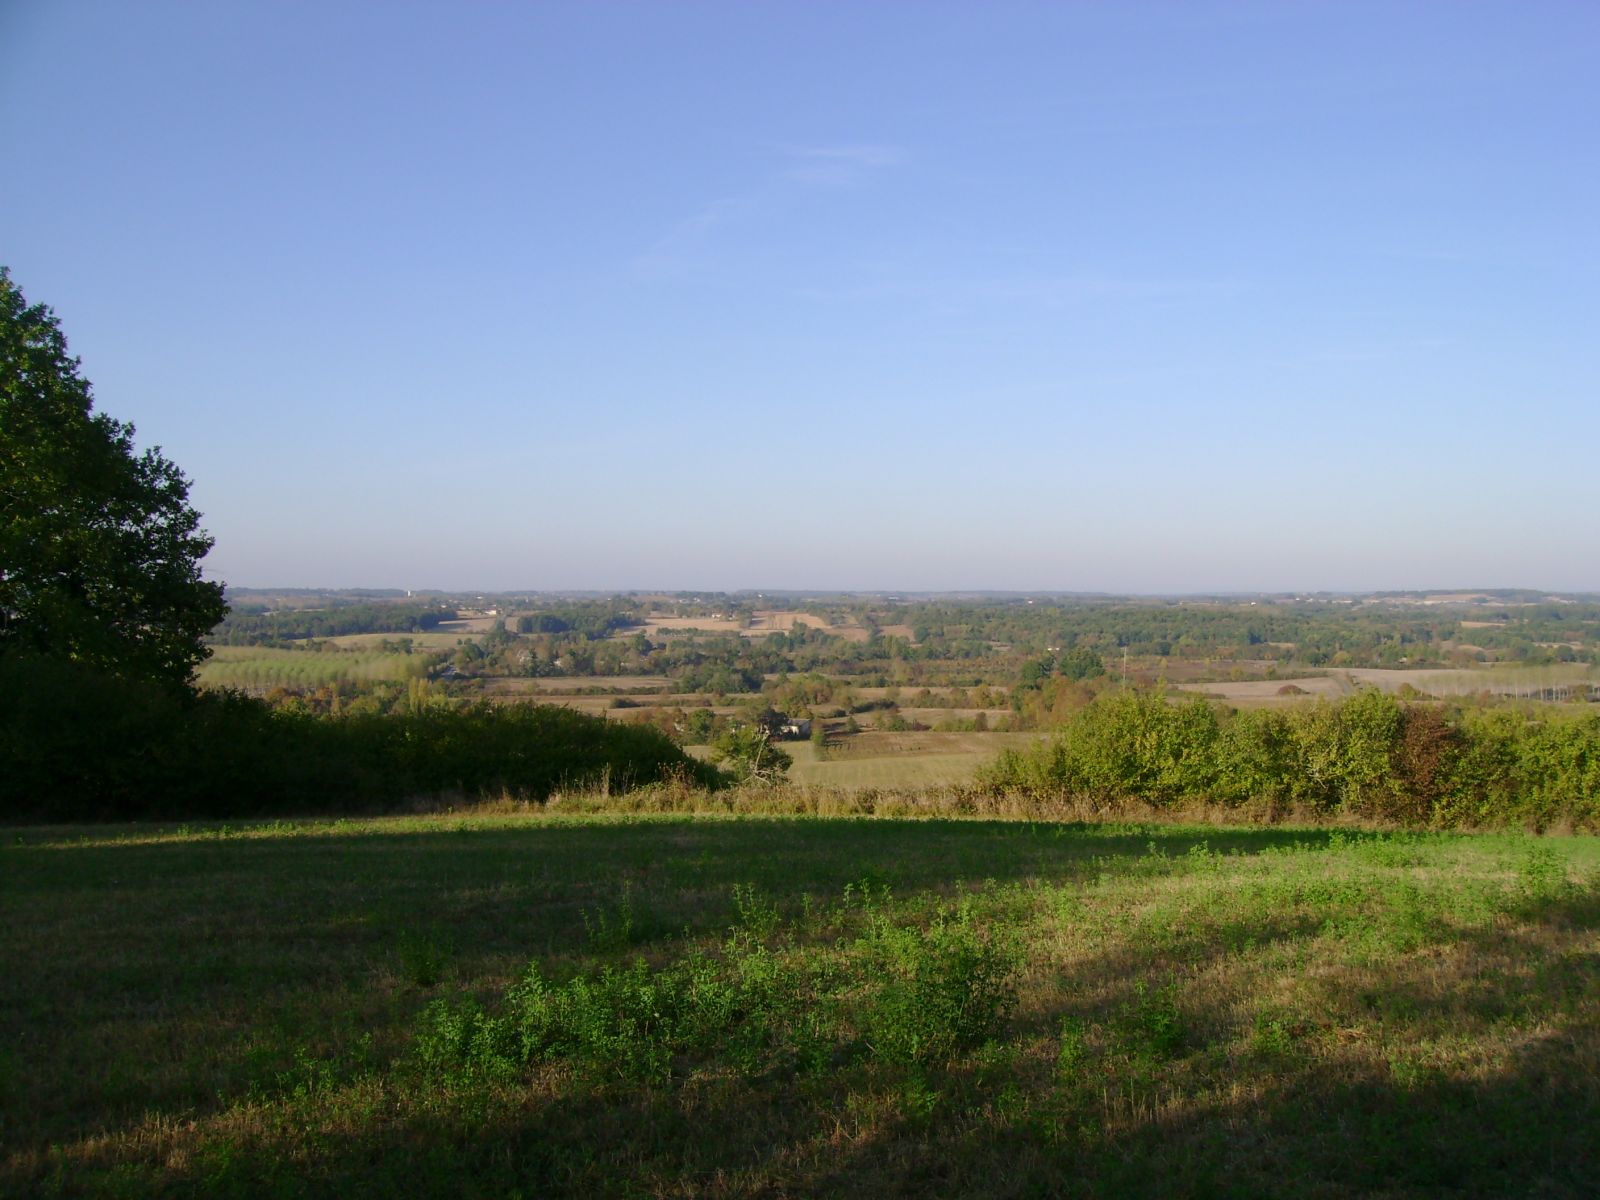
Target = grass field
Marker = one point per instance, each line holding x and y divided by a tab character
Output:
900	760
258	668
745	1006
1502	680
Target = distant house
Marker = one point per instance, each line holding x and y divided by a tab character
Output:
795	727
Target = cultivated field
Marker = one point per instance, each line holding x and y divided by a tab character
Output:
762	622
432	640
258	668
749	1006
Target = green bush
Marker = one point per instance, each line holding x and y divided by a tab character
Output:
941	990
78	745
1370	756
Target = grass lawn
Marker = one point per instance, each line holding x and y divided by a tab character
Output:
743	1005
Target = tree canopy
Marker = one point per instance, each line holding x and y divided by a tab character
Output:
99	548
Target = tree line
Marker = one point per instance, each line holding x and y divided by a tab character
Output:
287	625
81	745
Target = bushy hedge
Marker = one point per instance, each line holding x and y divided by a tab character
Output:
1369	756
75	745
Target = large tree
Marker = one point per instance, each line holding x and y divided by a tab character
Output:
99	549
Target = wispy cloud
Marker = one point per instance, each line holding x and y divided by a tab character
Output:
685	240
843	165
1046	291
839	166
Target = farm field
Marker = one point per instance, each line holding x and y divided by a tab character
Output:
643	685
432	640
546	1005
261	667
762	622
1508	679
900	760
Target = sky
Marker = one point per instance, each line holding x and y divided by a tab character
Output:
1125	297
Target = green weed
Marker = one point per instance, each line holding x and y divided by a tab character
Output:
1073	1049
611	929
942	989
424	956
1273	1037
1150	1025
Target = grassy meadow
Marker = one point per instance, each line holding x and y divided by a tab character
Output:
899	760
604	1004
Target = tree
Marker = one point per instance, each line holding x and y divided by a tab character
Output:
748	752
99	548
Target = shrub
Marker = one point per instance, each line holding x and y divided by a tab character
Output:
942	990
78	745
1370	756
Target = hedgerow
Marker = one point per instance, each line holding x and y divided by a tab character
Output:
1370	756
78	745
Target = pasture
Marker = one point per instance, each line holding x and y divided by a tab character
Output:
1500	679
899	760
622	1005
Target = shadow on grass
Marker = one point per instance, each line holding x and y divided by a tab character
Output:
1321	1130
917	853
1306	1128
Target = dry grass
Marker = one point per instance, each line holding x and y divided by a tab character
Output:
773	620
881	760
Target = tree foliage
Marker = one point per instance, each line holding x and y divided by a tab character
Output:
270	628
748	752
99	548
1369	756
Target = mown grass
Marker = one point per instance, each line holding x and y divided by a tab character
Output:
677	1005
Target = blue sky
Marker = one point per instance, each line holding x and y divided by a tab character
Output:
1120	297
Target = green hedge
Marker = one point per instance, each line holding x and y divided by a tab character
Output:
1369	756
75	745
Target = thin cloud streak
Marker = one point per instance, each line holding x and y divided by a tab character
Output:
1050	291
822	166
840	166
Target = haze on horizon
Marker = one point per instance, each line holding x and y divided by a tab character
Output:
1145	298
